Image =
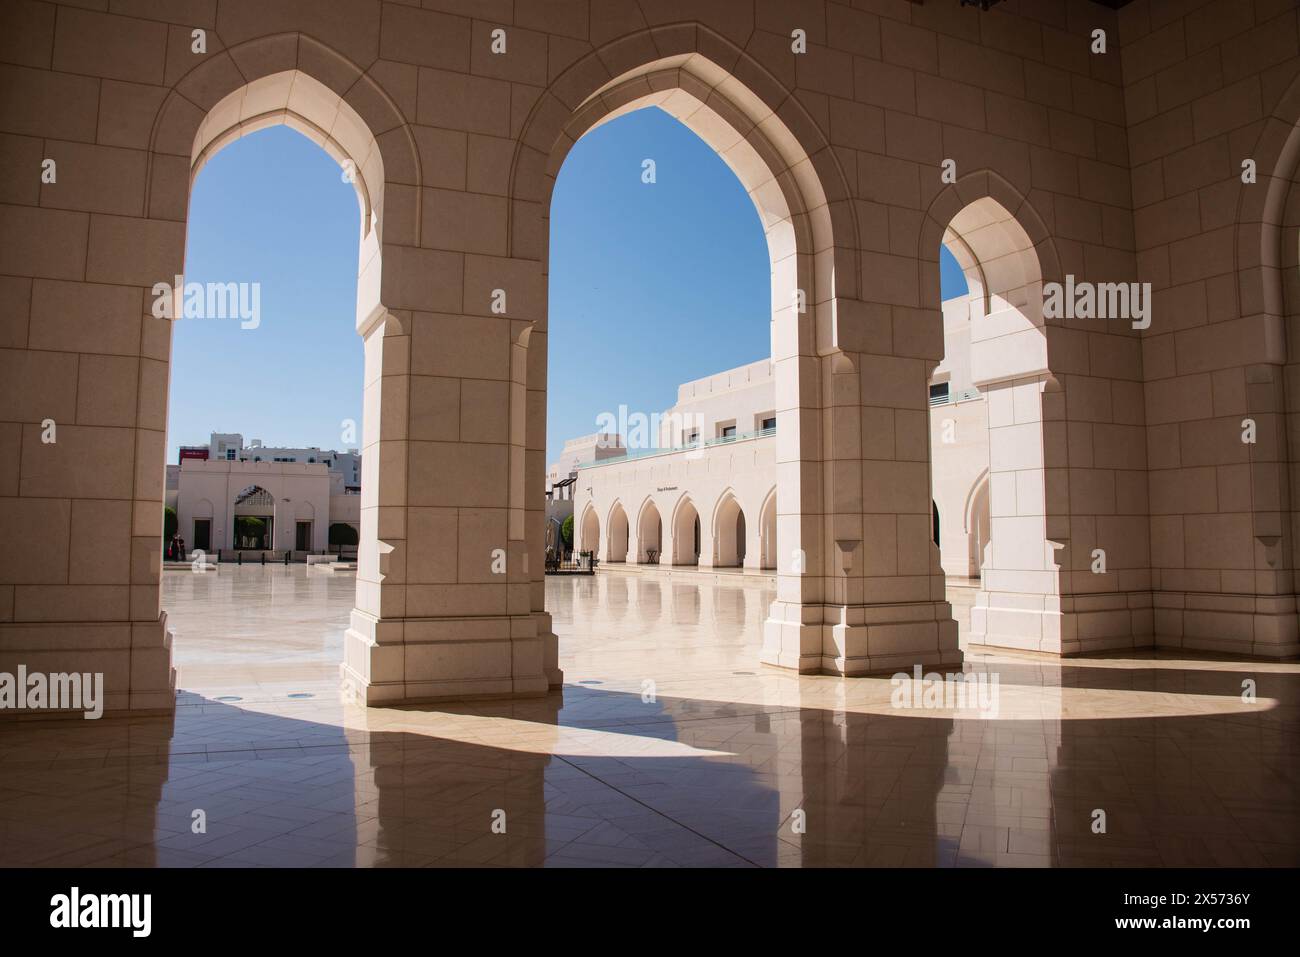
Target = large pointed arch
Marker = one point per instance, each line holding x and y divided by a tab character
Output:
294	80
781	157
1006	253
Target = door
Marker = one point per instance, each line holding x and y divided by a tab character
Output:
202	535
303	541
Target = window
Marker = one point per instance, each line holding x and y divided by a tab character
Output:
230	455
691	437
728	432
939	393
768	424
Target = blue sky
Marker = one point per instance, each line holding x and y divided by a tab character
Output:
651	285
271	208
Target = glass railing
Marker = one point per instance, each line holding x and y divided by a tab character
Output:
692	447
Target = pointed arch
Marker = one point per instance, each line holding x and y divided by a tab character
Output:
1260	257
587	531
727	530
616	533
649	532
293	80
767	530
686	532
730	101
1007	254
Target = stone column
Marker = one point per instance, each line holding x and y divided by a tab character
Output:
708	545
859	585
753	541
451	466
1019	601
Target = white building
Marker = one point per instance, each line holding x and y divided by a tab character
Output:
228	496
705	493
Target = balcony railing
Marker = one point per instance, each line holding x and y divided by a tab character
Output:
953	397
694	446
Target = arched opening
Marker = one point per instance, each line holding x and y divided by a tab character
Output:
618	535
767	531
588	533
728	533
783	182
253	511
987	424
284	211
686	534
650	534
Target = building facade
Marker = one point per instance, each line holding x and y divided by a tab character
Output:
1053	144
229	496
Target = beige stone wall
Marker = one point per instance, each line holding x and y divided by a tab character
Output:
1207	87
1099	165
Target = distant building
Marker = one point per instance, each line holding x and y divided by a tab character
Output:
231	496
704	491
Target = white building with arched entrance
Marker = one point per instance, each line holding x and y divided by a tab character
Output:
231	497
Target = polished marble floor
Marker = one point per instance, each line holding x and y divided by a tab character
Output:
668	746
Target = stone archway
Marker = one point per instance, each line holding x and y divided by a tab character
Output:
616	544
587	533
650	533
1019	604
253	512
686	533
176	123
820	329
284	80
728	532
295	98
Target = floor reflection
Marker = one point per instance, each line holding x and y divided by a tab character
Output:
669	746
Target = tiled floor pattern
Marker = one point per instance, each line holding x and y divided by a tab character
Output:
669	746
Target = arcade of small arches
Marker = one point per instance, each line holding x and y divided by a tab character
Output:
731	534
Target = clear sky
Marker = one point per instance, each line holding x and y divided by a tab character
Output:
651	285
271	208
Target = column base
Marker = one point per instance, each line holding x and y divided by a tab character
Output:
1018	621
853	640
414	660
135	658
550	642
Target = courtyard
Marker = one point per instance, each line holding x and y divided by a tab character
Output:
668	745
